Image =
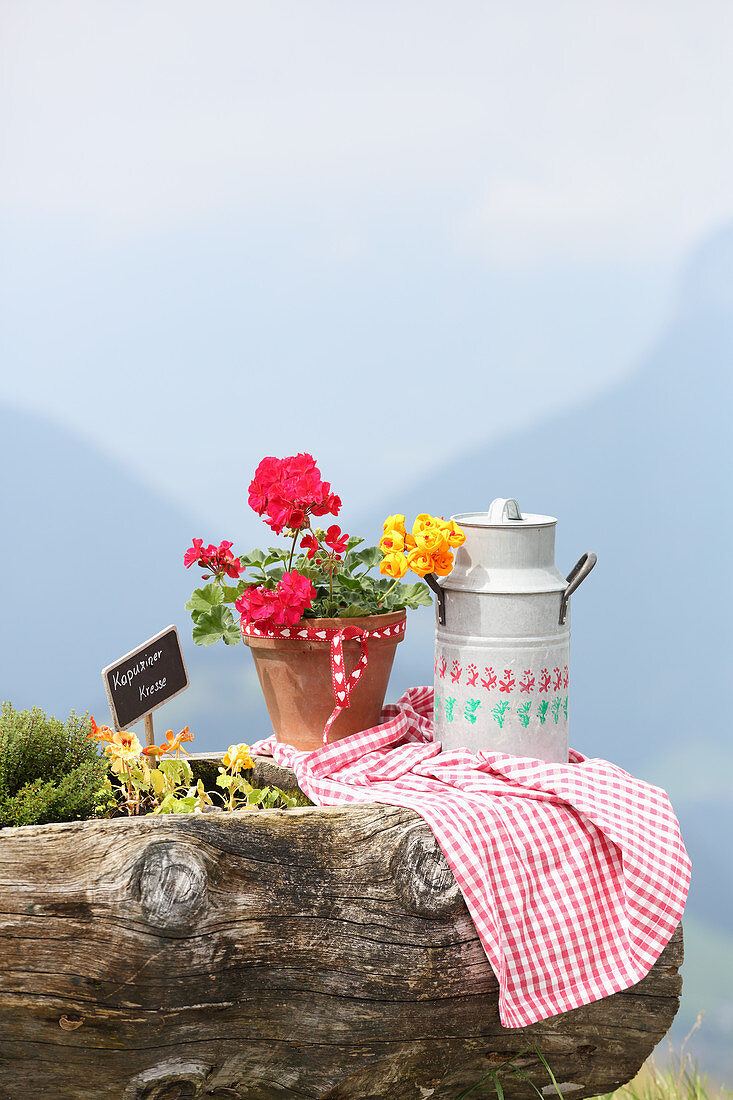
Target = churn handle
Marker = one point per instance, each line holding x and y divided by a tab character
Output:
501	505
437	588
575	578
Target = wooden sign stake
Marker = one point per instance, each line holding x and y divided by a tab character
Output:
149	734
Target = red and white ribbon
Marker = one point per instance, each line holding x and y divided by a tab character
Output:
343	682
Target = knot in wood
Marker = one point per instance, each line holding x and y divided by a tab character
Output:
169	883
170	1080
424	882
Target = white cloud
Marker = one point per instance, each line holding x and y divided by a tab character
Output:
539	129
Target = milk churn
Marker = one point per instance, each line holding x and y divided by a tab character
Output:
502	664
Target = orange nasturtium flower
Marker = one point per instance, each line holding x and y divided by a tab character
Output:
442	562
393	565
99	733
120	744
173	743
237	757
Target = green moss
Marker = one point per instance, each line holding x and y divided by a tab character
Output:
49	771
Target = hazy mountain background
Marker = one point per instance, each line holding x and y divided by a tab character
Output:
93	566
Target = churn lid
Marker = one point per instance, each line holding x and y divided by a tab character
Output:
503	512
506	552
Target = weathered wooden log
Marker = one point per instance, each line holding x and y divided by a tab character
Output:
319	953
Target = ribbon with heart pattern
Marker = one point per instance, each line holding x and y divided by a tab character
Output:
343	683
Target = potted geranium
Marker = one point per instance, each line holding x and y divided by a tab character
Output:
321	627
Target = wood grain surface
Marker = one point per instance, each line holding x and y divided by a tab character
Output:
316	953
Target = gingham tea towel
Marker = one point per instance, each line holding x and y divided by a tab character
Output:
575	874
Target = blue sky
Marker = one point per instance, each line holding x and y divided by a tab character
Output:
249	228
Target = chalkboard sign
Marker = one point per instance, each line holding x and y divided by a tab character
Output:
145	679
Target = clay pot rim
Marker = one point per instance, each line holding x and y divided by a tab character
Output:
365	622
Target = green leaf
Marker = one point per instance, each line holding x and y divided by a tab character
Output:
354	584
414	595
274	553
232	635
369	557
215	624
203	599
352	612
231	592
255	557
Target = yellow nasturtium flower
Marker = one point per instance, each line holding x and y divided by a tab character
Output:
428	547
453	532
420	561
395	523
425	522
393	565
392	542
432	540
237	757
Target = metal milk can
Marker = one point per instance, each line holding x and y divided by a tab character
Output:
502	679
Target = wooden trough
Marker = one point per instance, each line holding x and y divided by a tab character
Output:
319	953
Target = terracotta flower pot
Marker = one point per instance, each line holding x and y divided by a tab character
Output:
295	676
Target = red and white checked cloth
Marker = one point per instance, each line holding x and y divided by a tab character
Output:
575	874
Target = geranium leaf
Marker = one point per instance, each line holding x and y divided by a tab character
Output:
352	583
203	599
231	592
255	557
213	625
414	595
369	557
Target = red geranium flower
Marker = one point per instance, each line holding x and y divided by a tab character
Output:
309	543
285	491
281	606
193	553
219	559
297	519
335	539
